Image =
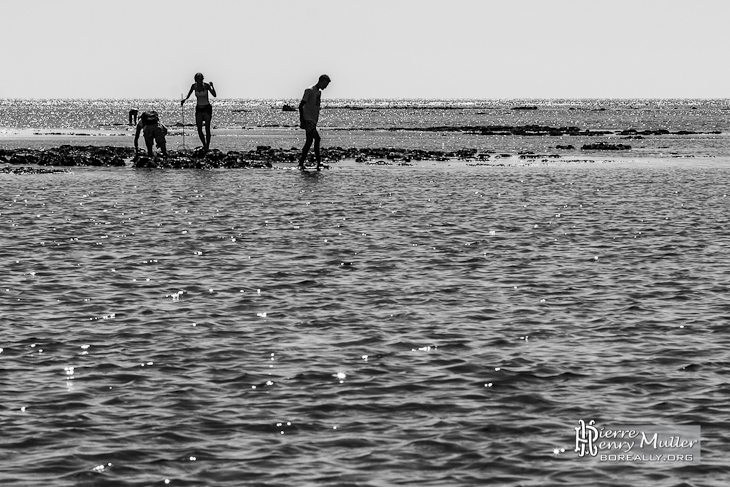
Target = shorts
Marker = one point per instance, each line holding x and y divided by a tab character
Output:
154	132
308	125
204	109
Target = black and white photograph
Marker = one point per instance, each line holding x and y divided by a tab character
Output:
365	243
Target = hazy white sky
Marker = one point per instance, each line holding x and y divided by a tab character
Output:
370	48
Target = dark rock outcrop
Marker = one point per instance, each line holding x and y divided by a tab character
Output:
604	146
261	157
22	170
542	130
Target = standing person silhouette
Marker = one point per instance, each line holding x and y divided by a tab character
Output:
133	116
203	109
308	118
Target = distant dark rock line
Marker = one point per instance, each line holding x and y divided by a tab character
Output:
22	170
543	130
602	146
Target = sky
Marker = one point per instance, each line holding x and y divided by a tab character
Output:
488	49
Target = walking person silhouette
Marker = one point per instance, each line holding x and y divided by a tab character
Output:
309	117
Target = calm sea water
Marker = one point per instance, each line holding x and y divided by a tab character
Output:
441	324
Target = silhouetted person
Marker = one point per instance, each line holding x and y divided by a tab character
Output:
133	116
153	131
203	109
309	116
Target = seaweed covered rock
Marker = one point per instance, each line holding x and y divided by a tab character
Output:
23	158
22	170
261	157
605	146
67	155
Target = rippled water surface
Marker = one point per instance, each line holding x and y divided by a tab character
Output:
431	325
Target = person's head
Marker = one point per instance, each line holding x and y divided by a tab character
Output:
324	80
198	77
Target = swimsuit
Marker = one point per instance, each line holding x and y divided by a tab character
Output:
204	107
202	97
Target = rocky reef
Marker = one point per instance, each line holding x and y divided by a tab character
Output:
68	156
544	130
603	146
22	170
266	157
261	157
523	130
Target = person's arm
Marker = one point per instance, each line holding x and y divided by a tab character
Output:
211	89
192	88
301	107
301	114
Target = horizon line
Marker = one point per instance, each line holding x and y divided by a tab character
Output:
383	98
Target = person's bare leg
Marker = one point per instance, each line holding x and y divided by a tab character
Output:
207	133
162	144
199	123
305	149
316	150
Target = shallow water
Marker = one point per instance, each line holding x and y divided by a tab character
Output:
432	325
244	124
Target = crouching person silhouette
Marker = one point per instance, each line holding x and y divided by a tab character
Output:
153	131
